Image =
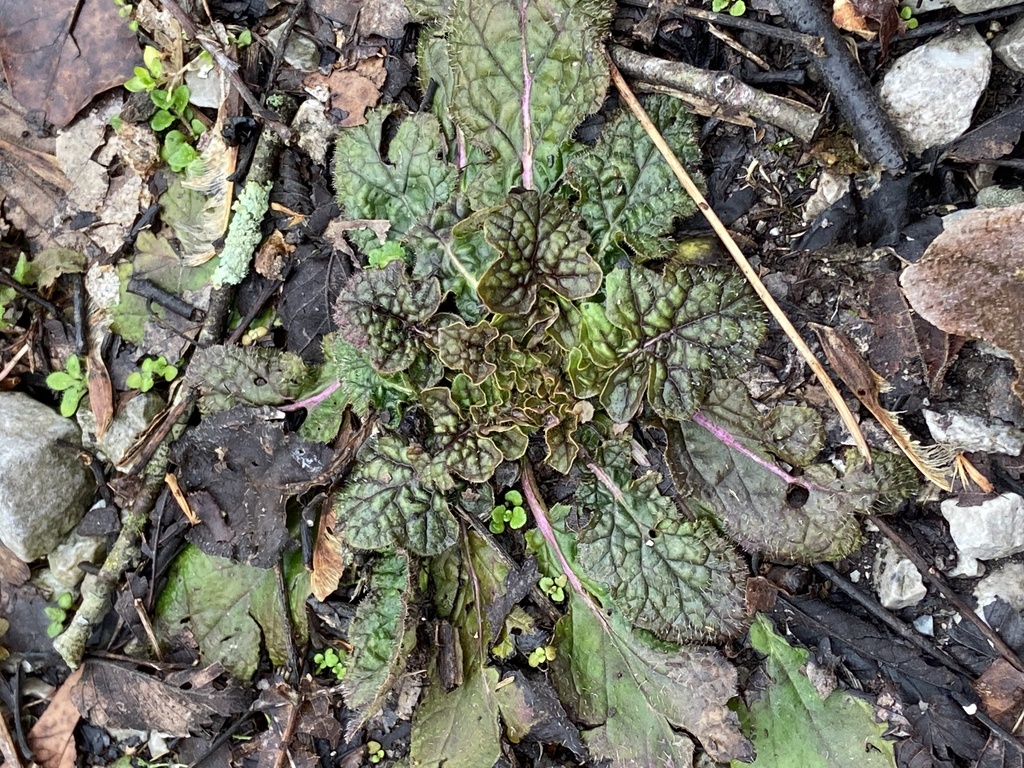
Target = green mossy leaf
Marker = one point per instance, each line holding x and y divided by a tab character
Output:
228	375
792	726
386	501
540	243
628	193
679	579
376	634
379	311
525	75
685	330
402	187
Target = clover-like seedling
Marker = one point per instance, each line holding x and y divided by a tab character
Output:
907	16
58	614
511	512
72	382
332	660
152	369
375	751
542	654
735	7
554	588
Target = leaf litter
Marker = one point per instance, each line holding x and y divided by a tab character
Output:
524	306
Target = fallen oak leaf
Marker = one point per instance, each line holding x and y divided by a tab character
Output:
52	738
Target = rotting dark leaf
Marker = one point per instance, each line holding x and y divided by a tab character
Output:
387	501
379	312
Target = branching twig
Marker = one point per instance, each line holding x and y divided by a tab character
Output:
740	259
722	91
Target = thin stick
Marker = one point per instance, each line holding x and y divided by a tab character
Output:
740	259
14	361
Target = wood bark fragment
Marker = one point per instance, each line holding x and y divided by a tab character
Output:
732	97
855	98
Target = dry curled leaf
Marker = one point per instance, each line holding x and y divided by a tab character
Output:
970	281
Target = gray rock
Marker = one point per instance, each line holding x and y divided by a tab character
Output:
972	433
987	531
979	6
898	582
925	625
44	486
1009	46
128	423
64	573
930	93
998	197
1007	583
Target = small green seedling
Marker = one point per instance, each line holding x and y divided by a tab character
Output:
375	751
907	15
171	108
58	614
71	381
511	512
541	655
332	660
554	588
383	255
735	7
151	370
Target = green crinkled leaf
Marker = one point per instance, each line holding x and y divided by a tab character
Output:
359	387
229	375
467	448
228	608
628	193
677	578
376	633
386	503
792	727
402	187
466	348
540	243
796	433
686	329
378	312
526	73
456	253
600	344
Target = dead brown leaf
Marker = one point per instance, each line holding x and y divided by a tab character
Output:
101	390
351	91
868	19
58	54
329	559
1001	688
52	738
970	281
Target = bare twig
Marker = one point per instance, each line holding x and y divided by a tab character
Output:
727	94
813	45
741	260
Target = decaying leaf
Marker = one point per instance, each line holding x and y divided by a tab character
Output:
978	261
52	738
228	608
790	723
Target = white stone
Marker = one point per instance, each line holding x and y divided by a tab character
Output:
972	433
897	581
925	625
128	423
1009	46
930	93
69	553
988	531
1006	582
980	6
45	487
